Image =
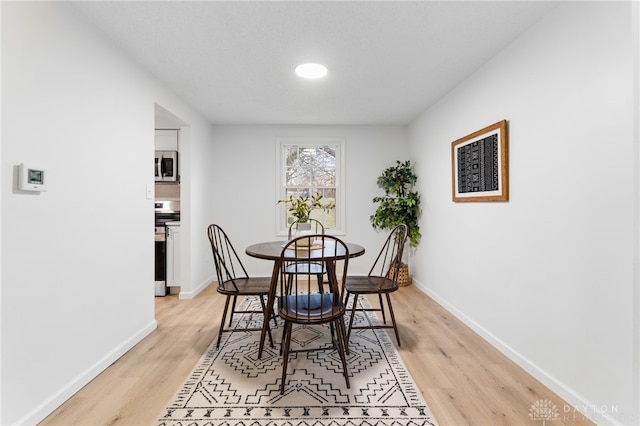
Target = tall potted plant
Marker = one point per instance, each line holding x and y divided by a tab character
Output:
400	204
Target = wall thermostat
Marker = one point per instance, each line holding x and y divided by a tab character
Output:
31	178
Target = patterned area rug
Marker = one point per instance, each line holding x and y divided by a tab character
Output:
230	386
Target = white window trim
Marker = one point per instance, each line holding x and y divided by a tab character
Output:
281	226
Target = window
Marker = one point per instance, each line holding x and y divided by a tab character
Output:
308	167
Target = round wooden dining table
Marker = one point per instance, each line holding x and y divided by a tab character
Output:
272	250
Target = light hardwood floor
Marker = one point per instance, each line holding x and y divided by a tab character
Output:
464	380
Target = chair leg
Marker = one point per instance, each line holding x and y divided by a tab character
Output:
285	358
393	318
346	299
273	316
283	338
224	318
353	314
264	309
342	349
233	309
384	318
320	283
343	330
333	333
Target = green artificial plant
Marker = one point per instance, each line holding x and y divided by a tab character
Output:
301	207
400	204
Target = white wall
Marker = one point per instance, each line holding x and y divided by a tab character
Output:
548	277
197	191
243	182
77	261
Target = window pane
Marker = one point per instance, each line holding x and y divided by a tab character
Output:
308	169
310	166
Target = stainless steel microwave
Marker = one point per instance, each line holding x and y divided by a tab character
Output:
166	166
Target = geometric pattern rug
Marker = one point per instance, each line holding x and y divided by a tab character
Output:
230	386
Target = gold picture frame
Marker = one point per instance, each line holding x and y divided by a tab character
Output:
479	165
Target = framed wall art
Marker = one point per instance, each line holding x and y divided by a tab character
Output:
479	165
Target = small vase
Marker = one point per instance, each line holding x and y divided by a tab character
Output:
303	229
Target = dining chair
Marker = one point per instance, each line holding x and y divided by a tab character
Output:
297	228
234	281
381	280
304	304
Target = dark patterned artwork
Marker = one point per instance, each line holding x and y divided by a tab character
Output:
479	165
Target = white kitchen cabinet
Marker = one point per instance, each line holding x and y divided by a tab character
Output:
173	254
166	140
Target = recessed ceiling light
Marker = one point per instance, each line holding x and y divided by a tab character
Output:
311	70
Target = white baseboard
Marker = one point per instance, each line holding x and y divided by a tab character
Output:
193	293
577	404
56	400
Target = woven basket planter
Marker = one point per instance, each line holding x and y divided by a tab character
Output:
403	275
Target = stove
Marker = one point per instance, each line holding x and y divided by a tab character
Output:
165	211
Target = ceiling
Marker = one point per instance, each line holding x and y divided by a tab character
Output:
388	61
